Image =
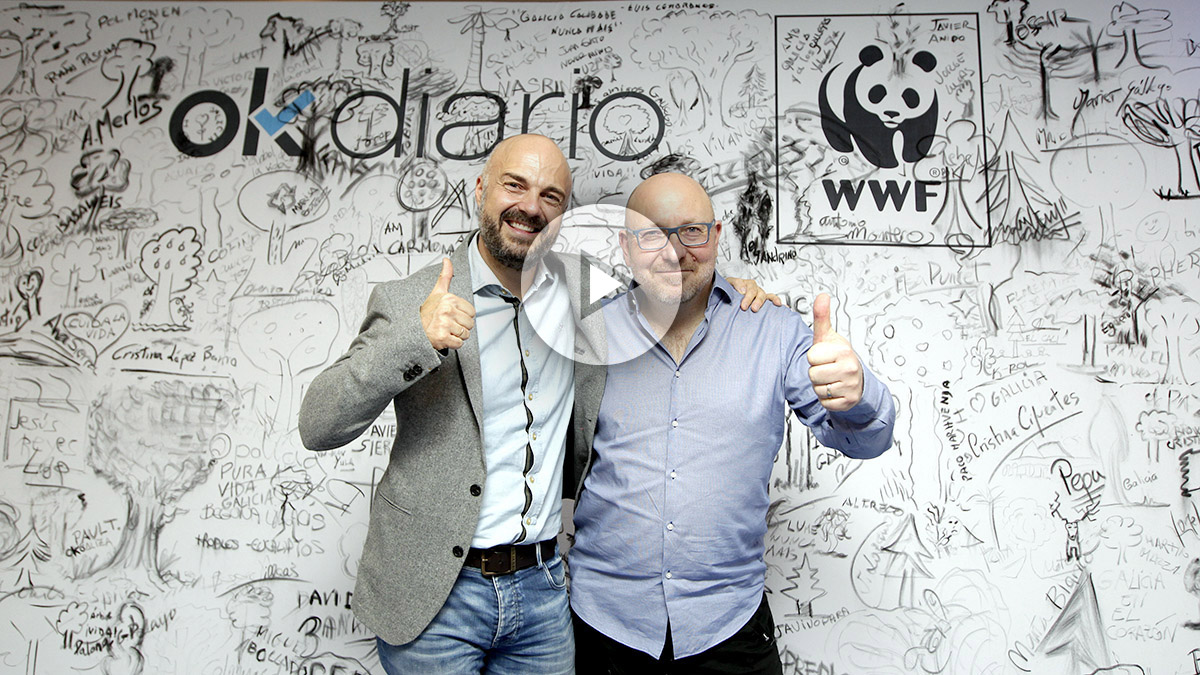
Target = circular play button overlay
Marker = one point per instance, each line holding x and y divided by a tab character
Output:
606	325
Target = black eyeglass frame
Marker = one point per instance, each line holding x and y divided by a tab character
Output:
668	231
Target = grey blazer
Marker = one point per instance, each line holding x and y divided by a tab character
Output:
425	508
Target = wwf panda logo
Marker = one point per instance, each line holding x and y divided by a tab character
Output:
881	101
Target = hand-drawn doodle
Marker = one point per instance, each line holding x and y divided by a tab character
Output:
279	202
171	261
197	31
153	443
129	61
1173	124
1050	53
24	128
700	52
25	195
46	35
1002	197
99	175
803	588
286	340
1128	21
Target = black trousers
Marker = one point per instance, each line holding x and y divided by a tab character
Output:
751	650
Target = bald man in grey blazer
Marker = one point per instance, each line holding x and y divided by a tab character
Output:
459	572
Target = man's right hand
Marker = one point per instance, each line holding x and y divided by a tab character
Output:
446	318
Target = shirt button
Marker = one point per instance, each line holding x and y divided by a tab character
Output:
674	423
476	490
668	575
531	397
535	436
457	551
672	475
529	521
677	373
670	526
531	479
526	352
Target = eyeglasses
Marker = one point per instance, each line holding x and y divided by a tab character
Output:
689	234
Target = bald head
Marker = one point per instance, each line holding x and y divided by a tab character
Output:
532	150
671	198
521	194
676	273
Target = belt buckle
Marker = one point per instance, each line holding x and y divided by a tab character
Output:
487	556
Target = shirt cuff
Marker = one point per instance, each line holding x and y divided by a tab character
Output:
867	409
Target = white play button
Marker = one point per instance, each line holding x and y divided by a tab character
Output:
598	283
588	253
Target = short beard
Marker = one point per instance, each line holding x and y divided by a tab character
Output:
514	259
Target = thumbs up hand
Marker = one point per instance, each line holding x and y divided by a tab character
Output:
446	318
835	372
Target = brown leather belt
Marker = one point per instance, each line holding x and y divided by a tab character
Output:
501	560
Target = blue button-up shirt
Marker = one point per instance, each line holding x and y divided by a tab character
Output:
525	425
673	515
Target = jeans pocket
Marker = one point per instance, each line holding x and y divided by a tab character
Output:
556	573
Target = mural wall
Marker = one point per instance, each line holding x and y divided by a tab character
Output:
196	200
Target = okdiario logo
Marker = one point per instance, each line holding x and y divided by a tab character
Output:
206	122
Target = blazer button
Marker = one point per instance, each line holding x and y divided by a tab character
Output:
457	551
414	371
476	490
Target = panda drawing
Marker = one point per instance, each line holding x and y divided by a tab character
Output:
878	104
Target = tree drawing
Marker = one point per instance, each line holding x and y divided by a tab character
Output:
477	24
906	562
77	262
171	261
100	172
1128	21
1018	206
698	56
199	31
1050	53
286	340
394	11
627	122
1174	125
1010	13
341	29
752	93
376	55
279	202
24	195
1078	632
476	139
45	34
152	445
954	158
295	36
130	60
803	588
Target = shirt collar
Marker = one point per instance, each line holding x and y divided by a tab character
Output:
722	290
485	281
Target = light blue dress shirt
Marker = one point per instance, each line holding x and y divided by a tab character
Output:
528	394
673	515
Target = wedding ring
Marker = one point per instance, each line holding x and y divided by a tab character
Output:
828	391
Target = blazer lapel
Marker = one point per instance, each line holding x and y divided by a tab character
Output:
468	354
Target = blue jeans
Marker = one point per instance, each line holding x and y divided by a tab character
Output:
517	623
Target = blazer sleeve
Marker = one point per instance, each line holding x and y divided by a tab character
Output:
390	354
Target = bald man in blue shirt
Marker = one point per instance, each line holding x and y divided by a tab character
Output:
667	568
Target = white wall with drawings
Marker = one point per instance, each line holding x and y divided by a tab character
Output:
197	198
